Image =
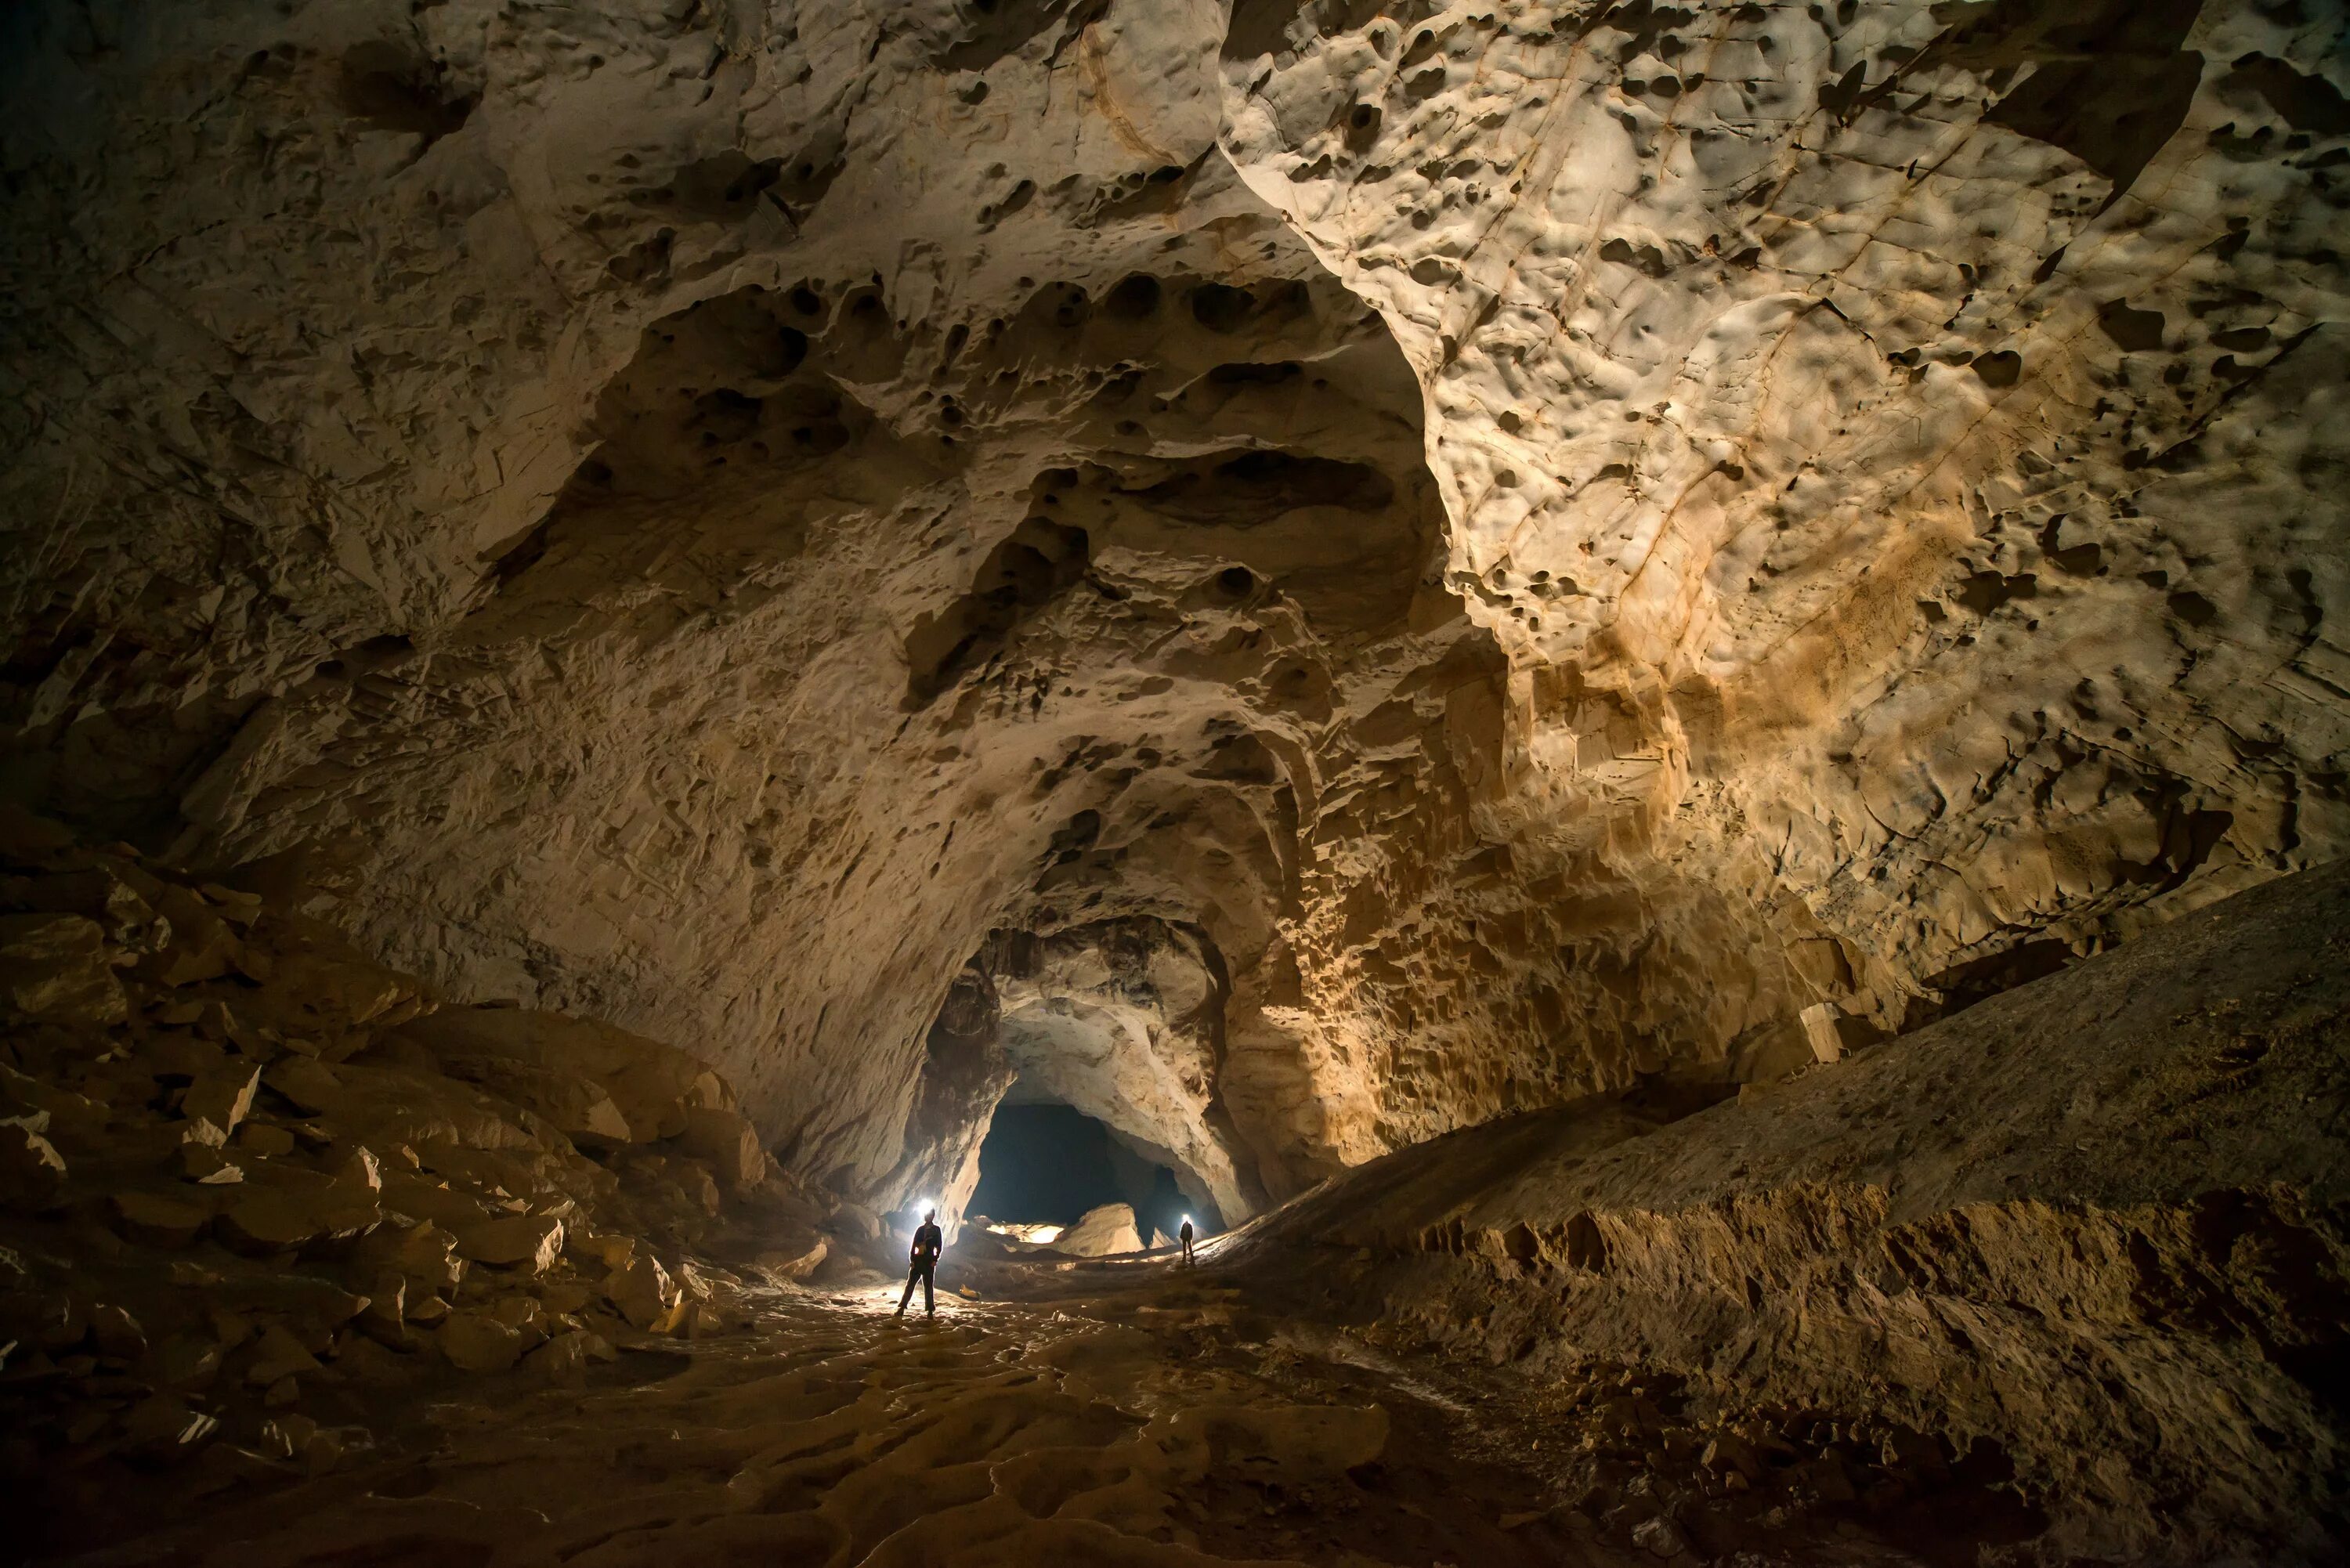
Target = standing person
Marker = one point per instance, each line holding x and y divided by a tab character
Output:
1184	1235
928	1244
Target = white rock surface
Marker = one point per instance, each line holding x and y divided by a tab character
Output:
1100	1232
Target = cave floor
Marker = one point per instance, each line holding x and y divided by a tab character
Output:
1109	1414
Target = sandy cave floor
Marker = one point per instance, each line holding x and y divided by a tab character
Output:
1110	1412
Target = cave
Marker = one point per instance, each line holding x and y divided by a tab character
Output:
1044	1163
1651	699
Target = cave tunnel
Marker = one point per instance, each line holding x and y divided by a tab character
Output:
1048	1163
1653	698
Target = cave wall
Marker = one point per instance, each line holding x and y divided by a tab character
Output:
1554	540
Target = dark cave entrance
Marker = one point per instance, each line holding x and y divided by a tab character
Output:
1049	1163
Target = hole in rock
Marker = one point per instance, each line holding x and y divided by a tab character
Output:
1048	1163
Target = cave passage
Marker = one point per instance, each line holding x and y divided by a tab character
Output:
1048	1164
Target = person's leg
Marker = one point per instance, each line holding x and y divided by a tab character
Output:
930	1301
908	1292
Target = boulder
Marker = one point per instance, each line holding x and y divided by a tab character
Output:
198	944
1101	1233
32	1171
161	1427
577	1105
784	1264
261	1221
422	1196
731	1144
324	993
564	1296
268	1140
202	1162
156	1221
652	1086
276	1355
117	1333
386	1106
423	1255
520	1313
530	1243
643	1292
477	1342
55	969
115	894
222	1096
28	838
360	1170
312	1087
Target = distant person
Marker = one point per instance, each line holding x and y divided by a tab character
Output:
1184	1236
928	1244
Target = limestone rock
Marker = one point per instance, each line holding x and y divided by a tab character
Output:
157	1220
276	1355
222	1096
643	1292
32	1171
527	1242
788	1264
269	1141
262	1219
312	1087
477	1342
117	1333
163	1427
56	968
198	945
731	1144
1100	1232
652	1086
2049	1165
359	1170
424	1254
1308	578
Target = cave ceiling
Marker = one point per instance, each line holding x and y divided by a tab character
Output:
1382	565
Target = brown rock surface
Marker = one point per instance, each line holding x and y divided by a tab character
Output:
1517	595
2135	1161
628	619
528	1244
54	967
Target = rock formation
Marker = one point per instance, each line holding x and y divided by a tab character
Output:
1552	542
727	584
2093	1226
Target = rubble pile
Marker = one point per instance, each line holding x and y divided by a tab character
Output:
253	1184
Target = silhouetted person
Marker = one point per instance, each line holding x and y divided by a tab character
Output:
927	1243
1184	1236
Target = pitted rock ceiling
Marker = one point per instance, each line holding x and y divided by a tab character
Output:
1417	561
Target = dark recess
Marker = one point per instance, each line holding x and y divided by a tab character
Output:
1040	562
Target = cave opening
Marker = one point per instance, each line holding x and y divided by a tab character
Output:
1048	1163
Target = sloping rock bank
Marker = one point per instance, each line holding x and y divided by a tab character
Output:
2093	1229
260	1195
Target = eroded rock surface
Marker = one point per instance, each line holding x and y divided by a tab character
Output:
1554	540
2092	1228
1301	576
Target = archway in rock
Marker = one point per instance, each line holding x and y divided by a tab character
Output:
1046	1163
1120	1023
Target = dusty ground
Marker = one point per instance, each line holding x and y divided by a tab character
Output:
1107	1414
